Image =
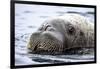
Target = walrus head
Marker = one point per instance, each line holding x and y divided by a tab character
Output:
58	36
47	40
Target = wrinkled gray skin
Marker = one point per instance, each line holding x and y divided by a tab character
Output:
69	34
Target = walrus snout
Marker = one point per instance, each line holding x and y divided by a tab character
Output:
40	43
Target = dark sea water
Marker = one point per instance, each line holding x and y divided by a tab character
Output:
28	18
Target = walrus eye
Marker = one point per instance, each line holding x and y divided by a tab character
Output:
71	30
46	28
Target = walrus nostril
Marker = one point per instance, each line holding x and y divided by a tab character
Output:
35	48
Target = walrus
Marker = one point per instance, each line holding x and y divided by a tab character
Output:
71	33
